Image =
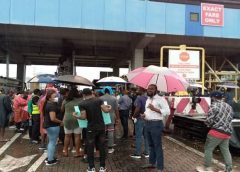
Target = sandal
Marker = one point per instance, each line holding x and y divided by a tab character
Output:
148	166
65	153
78	155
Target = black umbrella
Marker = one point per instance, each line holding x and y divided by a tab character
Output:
74	79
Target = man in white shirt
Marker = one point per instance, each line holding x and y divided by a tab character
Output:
156	108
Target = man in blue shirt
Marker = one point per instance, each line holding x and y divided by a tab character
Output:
125	103
140	124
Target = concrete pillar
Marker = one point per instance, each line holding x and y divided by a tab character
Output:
7	65
137	60
115	71
21	73
73	63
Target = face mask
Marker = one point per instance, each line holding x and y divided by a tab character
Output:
55	99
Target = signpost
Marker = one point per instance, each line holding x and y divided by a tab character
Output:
212	14
184	56
185	63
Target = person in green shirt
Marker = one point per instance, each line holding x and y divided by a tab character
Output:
71	125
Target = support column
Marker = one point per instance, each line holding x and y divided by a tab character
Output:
137	60
73	63
7	65
115	71
21	73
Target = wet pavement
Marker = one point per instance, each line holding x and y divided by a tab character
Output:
181	155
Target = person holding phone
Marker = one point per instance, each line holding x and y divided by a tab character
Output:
156	108
91	109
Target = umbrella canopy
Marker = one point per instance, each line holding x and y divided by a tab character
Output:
43	78
165	79
196	85
74	79
112	79
228	85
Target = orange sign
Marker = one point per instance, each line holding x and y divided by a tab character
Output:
184	56
212	14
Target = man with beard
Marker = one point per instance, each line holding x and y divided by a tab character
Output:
156	108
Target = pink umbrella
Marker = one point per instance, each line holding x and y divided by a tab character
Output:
165	79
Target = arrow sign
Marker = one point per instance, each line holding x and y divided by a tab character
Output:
10	163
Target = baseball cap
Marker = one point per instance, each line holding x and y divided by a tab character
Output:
216	94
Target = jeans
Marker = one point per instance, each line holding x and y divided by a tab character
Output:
110	135
98	137
140	135
53	133
35	127
124	114
154	135
211	144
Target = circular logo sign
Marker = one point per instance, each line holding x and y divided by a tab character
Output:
184	56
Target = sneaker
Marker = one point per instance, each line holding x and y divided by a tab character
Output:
85	159
46	160
111	150
102	169
53	162
146	155
135	156
35	142
204	169
42	148
91	170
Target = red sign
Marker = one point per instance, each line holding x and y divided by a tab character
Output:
212	14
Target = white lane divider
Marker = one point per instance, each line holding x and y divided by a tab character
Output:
37	163
8	144
193	150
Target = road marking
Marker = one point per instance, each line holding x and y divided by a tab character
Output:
194	151
37	163
9	163
8	144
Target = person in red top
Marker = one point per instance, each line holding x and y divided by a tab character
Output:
219	120
20	115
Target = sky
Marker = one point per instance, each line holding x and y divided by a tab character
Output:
33	70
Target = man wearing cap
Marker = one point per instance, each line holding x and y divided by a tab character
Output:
219	120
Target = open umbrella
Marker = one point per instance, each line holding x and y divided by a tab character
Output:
165	79
112	80
74	79
196	85
228	85
42	78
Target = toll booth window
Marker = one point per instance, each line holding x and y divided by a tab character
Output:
194	17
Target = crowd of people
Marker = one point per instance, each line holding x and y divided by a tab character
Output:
50	117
